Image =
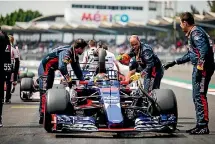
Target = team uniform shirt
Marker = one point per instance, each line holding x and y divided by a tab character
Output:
88	54
7	60
89	58
14	55
200	50
147	60
17	49
110	63
59	58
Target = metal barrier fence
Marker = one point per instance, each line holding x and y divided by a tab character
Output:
32	60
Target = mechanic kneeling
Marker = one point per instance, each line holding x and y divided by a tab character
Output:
58	59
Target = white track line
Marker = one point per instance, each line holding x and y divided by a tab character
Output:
183	85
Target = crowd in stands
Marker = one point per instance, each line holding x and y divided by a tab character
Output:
159	46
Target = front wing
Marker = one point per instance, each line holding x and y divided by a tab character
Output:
65	123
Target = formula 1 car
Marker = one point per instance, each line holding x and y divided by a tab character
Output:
30	85
23	73
26	79
105	104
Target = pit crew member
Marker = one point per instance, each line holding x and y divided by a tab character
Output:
6	63
11	78
112	63
58	60
93	52
89	54
142	59
201	55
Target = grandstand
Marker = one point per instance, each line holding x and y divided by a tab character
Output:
44	33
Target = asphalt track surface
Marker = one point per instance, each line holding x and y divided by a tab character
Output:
21	126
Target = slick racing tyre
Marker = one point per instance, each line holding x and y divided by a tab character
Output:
26	87
26	84
166	102
57	102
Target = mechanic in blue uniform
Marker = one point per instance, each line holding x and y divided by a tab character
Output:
201	55
5	66
58	59
142	59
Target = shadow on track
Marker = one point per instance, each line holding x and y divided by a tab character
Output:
184	123
22	103
114	136
186	118
24	126
31	100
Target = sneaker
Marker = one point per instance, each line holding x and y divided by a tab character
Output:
1	125
8	101
200	130
188	131
41	119
13	90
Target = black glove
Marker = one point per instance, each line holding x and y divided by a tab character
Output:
169	64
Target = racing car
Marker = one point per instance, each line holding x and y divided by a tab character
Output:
27	82
23	73
29	86
103	103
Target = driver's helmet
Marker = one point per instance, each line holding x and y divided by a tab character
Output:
100	77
